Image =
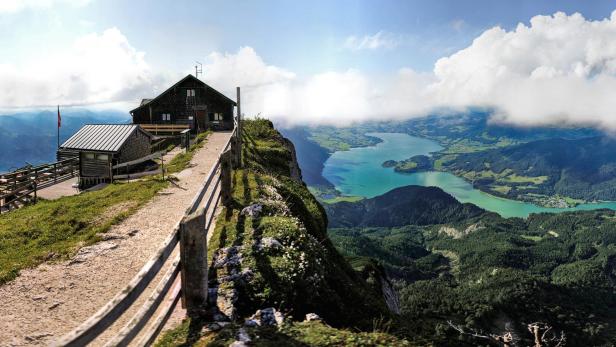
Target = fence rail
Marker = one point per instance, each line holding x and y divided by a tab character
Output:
19	187
191	264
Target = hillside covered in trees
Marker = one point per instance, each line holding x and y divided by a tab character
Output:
487	273
578	168
413	205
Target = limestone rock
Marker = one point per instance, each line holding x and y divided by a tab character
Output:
310	317
268	316
253	210
268	243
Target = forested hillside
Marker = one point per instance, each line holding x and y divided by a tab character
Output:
579	168
401	206
487	273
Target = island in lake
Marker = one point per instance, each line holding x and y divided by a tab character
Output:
416	163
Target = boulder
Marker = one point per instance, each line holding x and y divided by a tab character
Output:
310	317
267	316
253	210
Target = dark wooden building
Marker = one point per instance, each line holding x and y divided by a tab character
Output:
189	102
100	146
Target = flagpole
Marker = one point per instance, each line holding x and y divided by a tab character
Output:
58	124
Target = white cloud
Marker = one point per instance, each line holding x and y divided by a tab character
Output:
559	70
14	6
326	98
97	68
381	39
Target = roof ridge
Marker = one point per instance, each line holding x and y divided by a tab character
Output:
177	83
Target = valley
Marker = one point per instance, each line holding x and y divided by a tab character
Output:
490	165
483	271
453	212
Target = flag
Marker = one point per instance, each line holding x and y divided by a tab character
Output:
59	117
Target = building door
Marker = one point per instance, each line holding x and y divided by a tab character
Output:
201	119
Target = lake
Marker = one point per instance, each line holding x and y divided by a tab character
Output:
359	172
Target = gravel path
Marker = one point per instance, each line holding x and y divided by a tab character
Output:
46	302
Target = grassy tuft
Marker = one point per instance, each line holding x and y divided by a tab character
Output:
298	334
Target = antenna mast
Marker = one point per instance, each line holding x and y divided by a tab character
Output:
198	69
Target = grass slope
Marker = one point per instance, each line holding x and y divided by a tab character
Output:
56	229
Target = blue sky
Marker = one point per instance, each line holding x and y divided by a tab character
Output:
303	36
352	58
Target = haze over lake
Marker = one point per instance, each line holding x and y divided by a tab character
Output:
359	172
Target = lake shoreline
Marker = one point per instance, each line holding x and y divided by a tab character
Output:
359	172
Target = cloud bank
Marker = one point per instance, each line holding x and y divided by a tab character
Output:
97	68
556	70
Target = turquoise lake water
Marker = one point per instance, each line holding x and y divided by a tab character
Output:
359	172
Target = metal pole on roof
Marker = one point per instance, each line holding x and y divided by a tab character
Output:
198	69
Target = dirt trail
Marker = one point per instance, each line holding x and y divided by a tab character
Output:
46	302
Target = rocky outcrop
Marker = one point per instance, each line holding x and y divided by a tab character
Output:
296	172
390	295
265	317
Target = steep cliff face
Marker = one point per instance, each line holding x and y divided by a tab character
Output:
376	276
275	276
270	247
270	254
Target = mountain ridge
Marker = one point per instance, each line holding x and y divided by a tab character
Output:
430	205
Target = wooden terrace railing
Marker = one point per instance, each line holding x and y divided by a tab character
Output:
165	129
19	187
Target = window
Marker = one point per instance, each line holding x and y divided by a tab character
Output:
166	116
190	92
215	117
89	155
104	157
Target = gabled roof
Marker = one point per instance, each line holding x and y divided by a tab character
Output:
101	137
144	102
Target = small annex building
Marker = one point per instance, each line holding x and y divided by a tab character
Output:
190	104
101	146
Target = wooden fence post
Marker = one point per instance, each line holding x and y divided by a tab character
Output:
225	177
35	184
238	128
234	157
238	148
193	258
